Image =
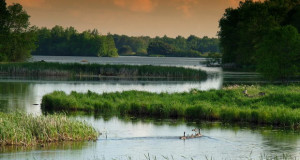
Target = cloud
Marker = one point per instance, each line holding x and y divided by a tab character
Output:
28	3
185	6
136	5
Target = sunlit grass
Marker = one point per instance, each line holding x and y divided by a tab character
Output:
22	129
279	106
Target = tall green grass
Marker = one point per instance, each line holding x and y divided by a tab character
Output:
280	105
76	69
26	130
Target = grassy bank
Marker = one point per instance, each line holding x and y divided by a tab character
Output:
279	106
27	130
76	69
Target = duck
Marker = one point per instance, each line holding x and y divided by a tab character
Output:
197	130
183	137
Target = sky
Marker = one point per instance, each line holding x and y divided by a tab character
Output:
131	17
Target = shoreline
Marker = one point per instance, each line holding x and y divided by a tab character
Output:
18	129
271	105
99	70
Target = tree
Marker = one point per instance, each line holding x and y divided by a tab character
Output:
60	41
19	36
4	15
193	42
278	53
111	47
160	48
125	50
107	47
241	29
293	17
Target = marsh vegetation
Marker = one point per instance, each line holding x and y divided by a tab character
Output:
76	69
27	130
274	105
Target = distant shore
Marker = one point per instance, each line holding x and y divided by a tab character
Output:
99	70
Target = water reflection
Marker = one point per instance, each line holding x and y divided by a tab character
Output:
15	96
195	63
132	137
47	147
275	141
25	95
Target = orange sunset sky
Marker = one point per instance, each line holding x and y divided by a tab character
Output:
131	17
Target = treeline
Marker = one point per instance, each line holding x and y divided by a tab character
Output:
263	36
18	40
17	37
179	47
60	41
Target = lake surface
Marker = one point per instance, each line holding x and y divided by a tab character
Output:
126	137
134	138
24	94
195	63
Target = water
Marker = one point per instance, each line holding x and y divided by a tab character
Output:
162	61
134	138
195	63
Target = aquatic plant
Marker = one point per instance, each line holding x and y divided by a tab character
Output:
77	69
279	106
26	130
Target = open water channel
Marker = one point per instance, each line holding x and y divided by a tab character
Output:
132	138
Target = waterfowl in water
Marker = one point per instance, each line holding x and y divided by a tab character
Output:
183	137
196	135
199	133
197	130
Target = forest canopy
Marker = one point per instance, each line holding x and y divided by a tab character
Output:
19	40
246	35
192	46
17	37
60	41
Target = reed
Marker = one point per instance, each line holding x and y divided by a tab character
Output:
27	130
77	69
279	106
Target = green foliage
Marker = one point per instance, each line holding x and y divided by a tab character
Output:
160	48
165	49
125	50
108	48
17	38
293	17
68	42
76	69
278	54
179	46
279	106
21	129
243	28
213	59
4	15
137	44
